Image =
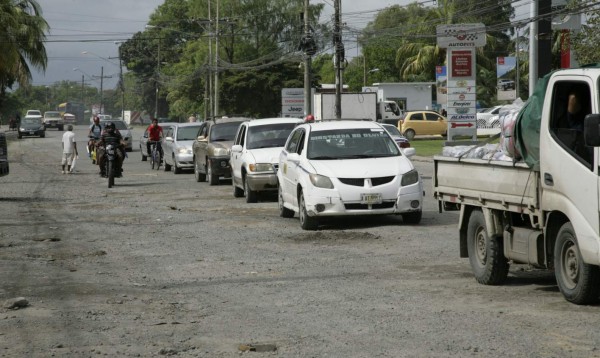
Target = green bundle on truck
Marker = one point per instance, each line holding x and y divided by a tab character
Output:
542	209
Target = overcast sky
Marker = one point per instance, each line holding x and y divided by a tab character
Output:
93	26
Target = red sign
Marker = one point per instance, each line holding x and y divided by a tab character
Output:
461	64
454	125
501	60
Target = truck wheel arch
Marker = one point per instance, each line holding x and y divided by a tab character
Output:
555	221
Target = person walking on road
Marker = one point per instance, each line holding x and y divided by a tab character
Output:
69	149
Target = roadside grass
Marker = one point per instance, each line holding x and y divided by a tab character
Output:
430	147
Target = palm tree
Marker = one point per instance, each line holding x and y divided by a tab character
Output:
22	38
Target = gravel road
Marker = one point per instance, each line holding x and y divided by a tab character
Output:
161	265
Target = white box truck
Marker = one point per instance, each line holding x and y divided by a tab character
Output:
541	211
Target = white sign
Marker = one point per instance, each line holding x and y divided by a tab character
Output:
461	35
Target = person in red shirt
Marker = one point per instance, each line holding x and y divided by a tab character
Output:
155	134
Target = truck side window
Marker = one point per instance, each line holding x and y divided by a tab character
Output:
571	103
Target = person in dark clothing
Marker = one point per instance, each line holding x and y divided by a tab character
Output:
111	134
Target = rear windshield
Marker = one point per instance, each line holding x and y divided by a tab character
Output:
187	133
223	131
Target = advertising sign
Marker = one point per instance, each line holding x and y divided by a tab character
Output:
506	75
292	102
441	83
461	35
462	94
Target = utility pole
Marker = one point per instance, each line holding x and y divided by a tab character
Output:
307	65
337	43
210	89
156	81
217	62
82	83
122	81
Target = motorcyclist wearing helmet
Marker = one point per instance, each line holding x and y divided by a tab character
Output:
111	134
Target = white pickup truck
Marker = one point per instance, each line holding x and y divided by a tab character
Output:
544	210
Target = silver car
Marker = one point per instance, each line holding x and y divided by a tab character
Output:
144	139
177	146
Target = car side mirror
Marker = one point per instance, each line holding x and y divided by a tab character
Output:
169	139
201	138
409	152
293	157
591	130
236	148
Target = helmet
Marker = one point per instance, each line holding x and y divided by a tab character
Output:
109	126
96	118
310	118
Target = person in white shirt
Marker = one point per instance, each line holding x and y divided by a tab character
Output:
69	149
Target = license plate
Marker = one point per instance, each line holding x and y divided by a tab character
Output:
31	132
370	198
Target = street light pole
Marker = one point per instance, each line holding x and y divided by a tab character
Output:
156	81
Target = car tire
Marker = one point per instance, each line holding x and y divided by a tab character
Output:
412	218
19	136
486	255
251	195
409	134
212	178
237	192
283	211
306	222
144	157
200	177
167	166
578	282
176	169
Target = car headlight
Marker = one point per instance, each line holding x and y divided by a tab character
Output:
22	129
410	178
321	181
184	151
42	128
261	167
220	152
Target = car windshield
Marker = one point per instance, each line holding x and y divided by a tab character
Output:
269	135
31	121
223	131
392	130
187	133
351	144
52	115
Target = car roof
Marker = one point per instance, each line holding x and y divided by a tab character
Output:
265	121
348	124
178	125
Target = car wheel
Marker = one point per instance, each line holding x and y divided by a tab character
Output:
200	177
43	135
486	257
176	169
306	222
578	282
167	166
144	157
283	211
251	196
412	218
212	178
409	134
237	192
19	136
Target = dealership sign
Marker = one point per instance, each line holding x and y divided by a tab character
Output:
292	102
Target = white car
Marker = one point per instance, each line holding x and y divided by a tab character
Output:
338	168
177	146
255	155
489	118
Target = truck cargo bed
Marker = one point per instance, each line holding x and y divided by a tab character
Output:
494	184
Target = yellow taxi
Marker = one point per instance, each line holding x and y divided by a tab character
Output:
422	123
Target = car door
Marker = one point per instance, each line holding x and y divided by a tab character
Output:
201	146
167	145
237	158
289	165
417	122
569	169
435	123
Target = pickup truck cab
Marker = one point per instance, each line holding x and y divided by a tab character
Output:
53	119
543	211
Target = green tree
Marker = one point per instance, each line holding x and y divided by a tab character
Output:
586	43
22	38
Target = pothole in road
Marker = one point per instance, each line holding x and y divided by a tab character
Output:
333	236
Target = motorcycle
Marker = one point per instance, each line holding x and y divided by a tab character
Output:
110	162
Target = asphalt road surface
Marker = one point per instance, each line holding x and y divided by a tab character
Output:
161	265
